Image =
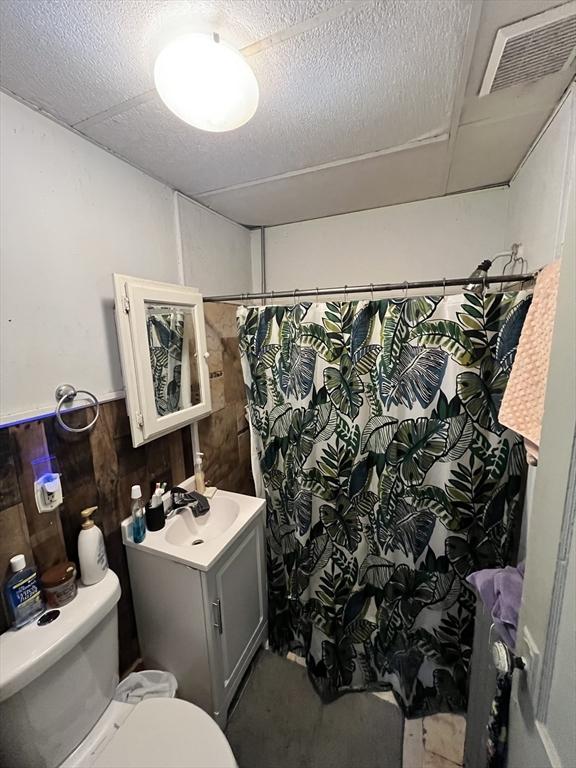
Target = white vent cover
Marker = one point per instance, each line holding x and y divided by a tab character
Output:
532	48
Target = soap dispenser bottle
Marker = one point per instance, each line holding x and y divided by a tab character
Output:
91	550
199	474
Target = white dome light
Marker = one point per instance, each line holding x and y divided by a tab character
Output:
206	82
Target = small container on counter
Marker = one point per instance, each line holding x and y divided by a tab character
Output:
155	517
59	584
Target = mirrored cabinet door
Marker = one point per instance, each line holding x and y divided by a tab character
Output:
171	336
164	359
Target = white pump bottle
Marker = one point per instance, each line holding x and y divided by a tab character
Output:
199	473
91	550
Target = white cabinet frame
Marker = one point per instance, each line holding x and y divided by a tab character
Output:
132	295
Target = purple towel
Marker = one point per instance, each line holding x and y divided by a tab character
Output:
500	590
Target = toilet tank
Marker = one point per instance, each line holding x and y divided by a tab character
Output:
57	679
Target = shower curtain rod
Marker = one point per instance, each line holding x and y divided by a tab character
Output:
375	287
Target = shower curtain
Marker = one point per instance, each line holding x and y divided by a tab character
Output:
388	480
165	342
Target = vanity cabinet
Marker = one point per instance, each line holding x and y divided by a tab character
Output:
204	626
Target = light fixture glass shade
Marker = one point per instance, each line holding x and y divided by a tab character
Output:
206	82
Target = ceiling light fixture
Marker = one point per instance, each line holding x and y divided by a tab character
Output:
206	82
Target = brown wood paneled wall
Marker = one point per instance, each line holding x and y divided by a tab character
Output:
224	435
98	469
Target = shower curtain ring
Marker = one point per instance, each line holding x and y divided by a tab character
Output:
372	291
294	295
405	289
345	293
443	287
317	294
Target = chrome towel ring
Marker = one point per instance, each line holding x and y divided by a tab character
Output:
64	394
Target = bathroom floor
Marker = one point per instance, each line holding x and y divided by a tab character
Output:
279	722
369	735
434	742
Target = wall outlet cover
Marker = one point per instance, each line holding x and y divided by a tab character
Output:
48	492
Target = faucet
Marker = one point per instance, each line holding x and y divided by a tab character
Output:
182	498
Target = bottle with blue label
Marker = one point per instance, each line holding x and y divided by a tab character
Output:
138	516
22	593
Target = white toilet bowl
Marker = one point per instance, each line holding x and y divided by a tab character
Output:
57	681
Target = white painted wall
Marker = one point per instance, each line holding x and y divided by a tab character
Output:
542	215
441	237
538	204
71	214
215	250
539	207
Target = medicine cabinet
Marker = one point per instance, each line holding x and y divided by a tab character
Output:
163	352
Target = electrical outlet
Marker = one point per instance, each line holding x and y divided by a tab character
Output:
532	659
48	492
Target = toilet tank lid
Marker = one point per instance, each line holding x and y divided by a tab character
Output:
28	652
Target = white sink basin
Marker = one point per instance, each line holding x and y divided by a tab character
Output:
200	541
185	530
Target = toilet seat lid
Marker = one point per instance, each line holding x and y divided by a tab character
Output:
170	733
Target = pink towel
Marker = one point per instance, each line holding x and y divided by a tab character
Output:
522	406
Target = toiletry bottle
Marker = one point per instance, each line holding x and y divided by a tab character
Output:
155	517
138	518
22	592
199	474
91	550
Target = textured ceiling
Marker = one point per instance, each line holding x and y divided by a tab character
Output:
363	102
331	93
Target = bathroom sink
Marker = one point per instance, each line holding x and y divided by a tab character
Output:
185	530
199	541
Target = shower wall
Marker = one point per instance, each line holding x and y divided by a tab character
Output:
430	239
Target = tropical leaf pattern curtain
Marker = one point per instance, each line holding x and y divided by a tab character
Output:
388	480
165	342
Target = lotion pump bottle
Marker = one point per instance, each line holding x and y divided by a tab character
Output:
91	550
199	474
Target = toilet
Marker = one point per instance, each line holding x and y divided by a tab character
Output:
57	680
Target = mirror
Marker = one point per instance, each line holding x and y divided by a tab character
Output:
173	357
163	351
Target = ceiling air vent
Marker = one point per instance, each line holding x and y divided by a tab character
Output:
531	49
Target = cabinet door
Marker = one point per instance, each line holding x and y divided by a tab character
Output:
236	590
